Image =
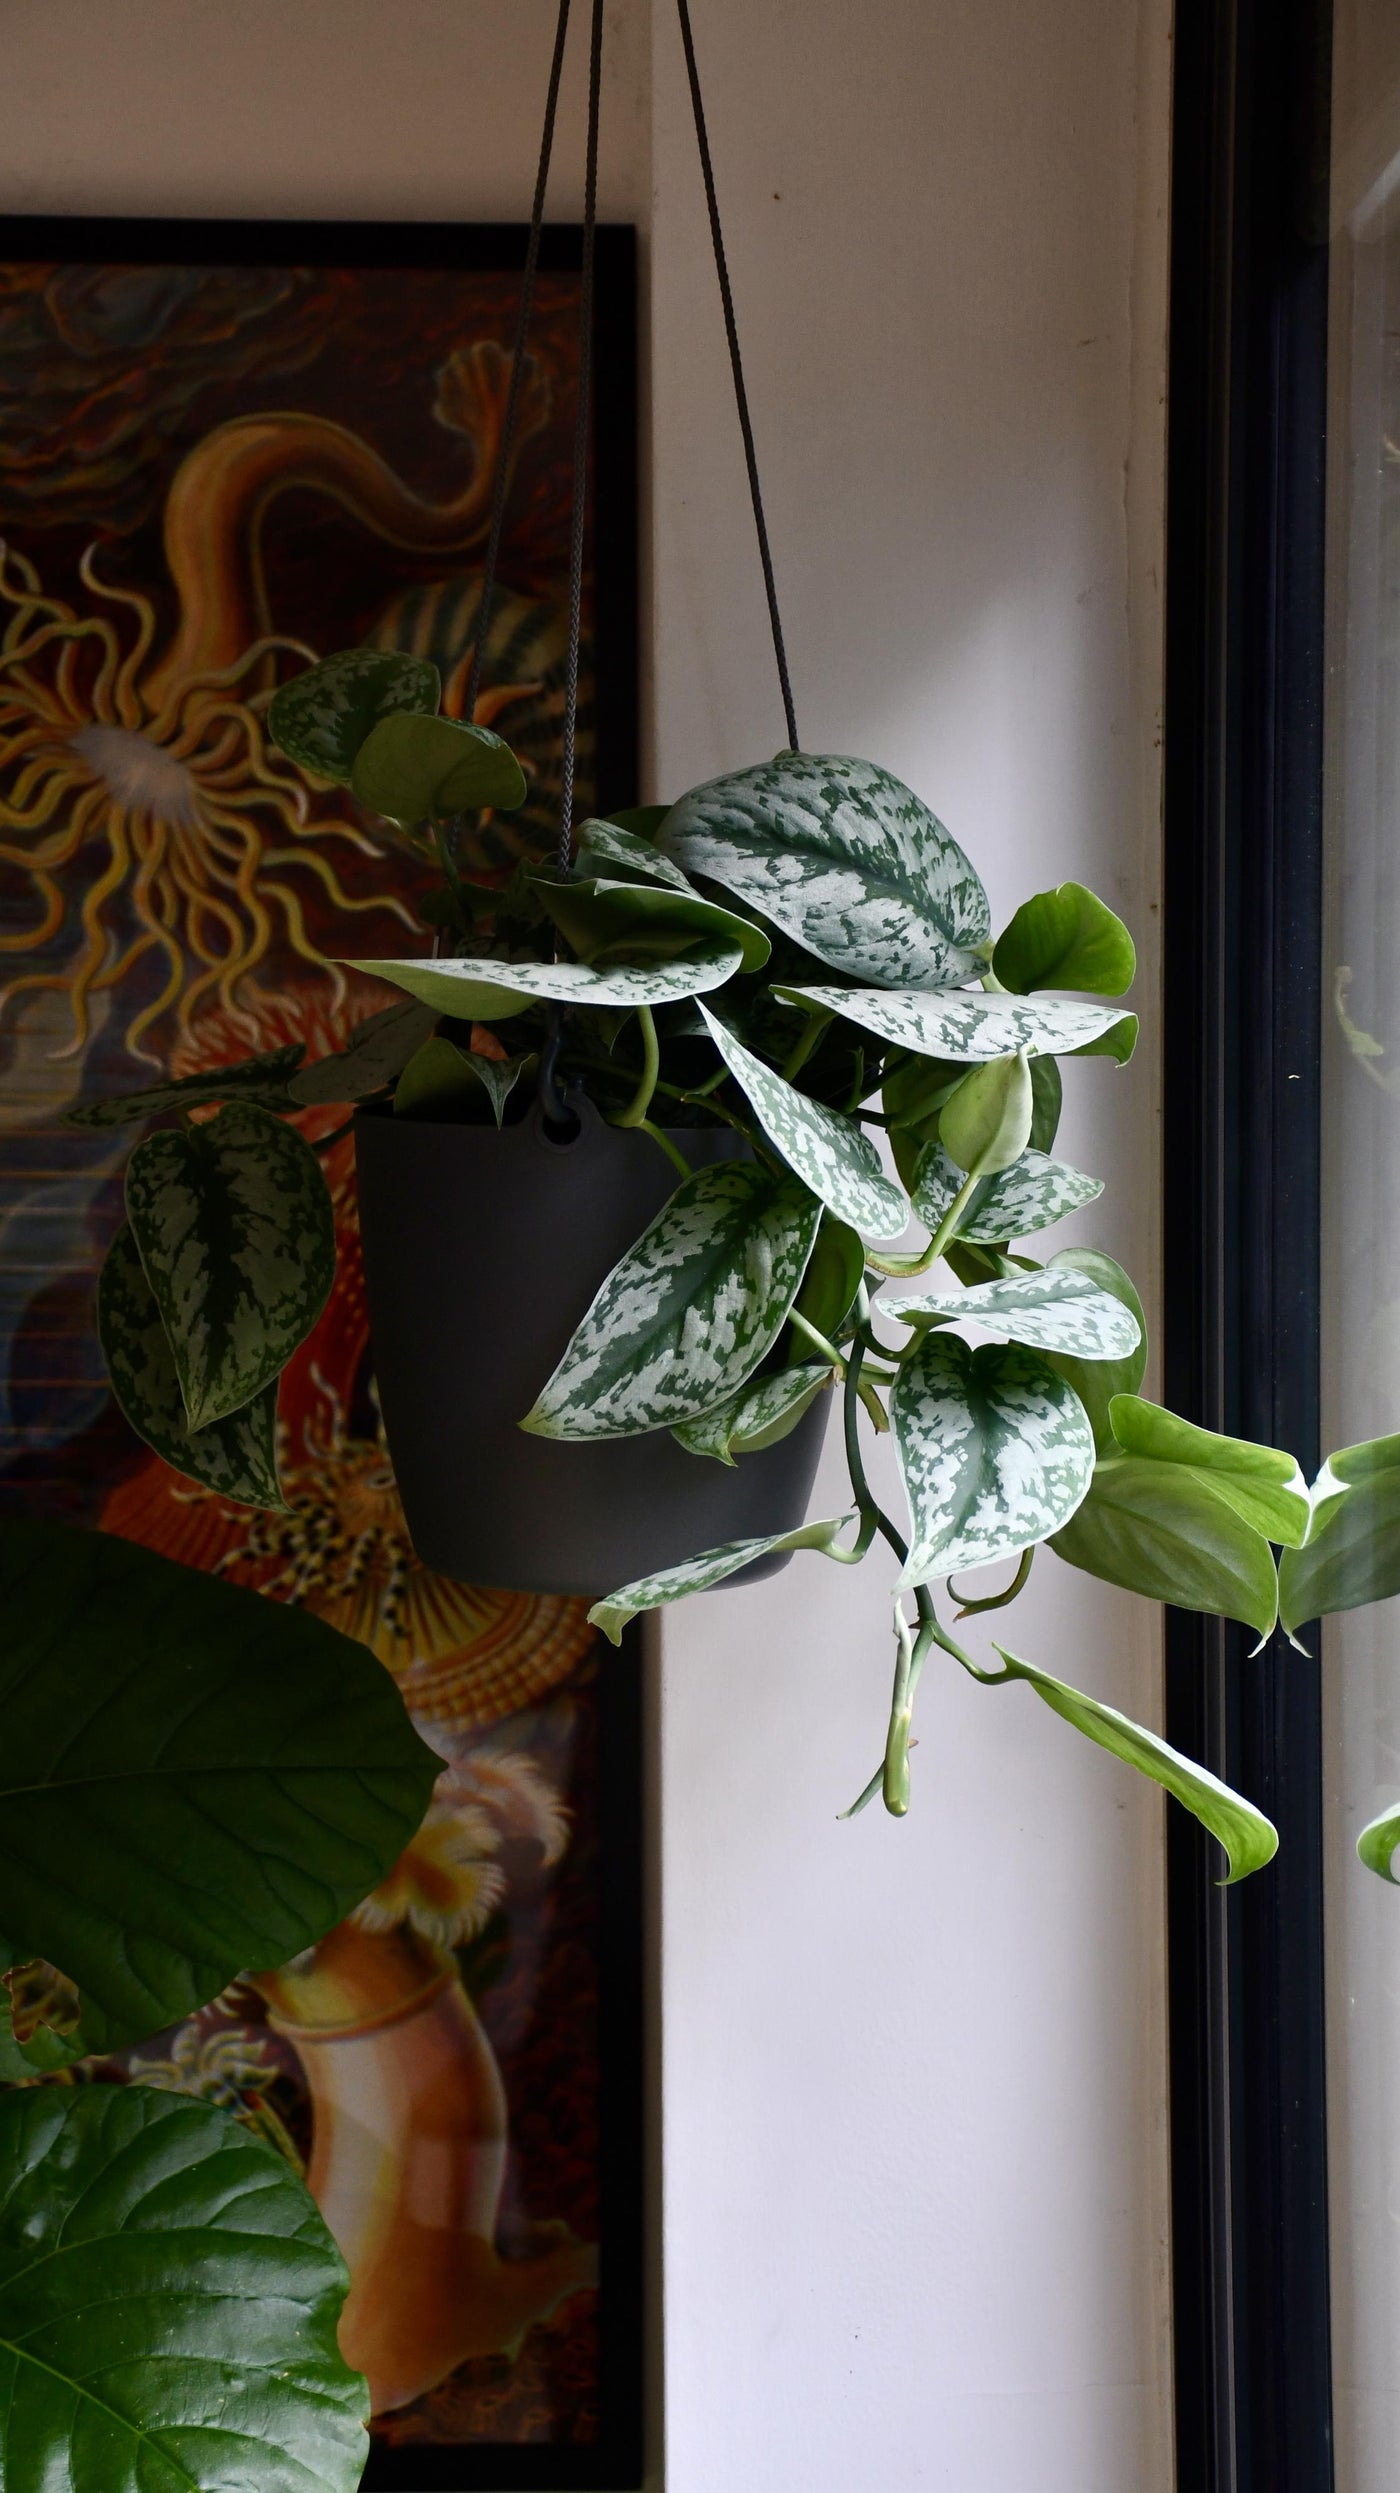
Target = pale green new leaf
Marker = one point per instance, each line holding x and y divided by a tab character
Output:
1066	938
605	919
322	718
1163	1530
1016	1204
265	1079
193	1779
994	1450
1096	1381
690	1311
761	1414
373	1056
235	1231
482	989
169	2300
828	1151
1055	1309
698	1575
844	858
1351	1555
412	768
1262	1484
1245	1833
237	1456
968	1026
1376	1844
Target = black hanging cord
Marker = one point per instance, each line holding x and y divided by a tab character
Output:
585	379
737	366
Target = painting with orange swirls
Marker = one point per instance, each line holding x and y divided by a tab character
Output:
225	451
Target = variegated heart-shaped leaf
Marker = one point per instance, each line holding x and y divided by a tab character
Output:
237	1457
487	990
1096	1381
967	1026
761	1414
235	1231
322	718
606	920
994	1450
686	1317
264	1078
412	768
373	1057
606	847
1023	1199
698	1575
828	1151
844	858
1057	1309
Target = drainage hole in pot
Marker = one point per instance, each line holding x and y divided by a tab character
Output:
561	1131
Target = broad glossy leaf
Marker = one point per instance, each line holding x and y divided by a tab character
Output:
1246	1834
1049	1096
761	1414
1262	1484
412	768
1096	1381
994	1450
607	846
1162	1530
1118	1041
373	1056
829	1152
1016	1204
169	2300
487	990
966	1025
1055	1309
264	1078
845	859
603	918
1351	1464
1351	1555
237	1457
984	1125
322	718
830	1283
235	1230
221	1777
698	1575
686	1317
643	820
1066	938
1376	1844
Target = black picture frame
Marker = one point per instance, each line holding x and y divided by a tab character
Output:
1242	1083
614	2462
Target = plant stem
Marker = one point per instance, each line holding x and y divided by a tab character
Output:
904	1267
818	1340
635	1112
804	1044
995	1601
677	1159
327	1142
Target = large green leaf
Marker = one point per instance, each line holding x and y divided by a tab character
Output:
698	1575
412	768
169	2299
1246	1834
761	1414
1055	1309
686	1317
235	1229
1023	1199
1263	1485
608	920
193	1779
237	1456
1096	1381
1351	1555
969	1026
994	1450
845	859
488	990
828	1151
322	718
266	1079
1377	1842
1163	1530
608	847
373	1056
984	1126
1066	938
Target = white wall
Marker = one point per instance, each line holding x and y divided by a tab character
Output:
913	2075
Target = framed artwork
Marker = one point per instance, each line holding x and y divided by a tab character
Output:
226	449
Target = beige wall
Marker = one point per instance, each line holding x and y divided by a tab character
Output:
913	2087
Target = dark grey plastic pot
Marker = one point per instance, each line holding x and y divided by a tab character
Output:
482	1251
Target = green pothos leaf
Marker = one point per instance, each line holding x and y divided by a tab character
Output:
483	989
994	1450
169	2300
235	1231
1246	1834
1163	1530
1023	1199
373	1056
967	1026
262	1078
1054	1309
830	1283
608	846
827	1151
1377	1842
1096	1381
604	918
1351	1554
761	1414
845	859
1066	938
237	1456
1262	1484
323	716
690	1311
698	1575
413	768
